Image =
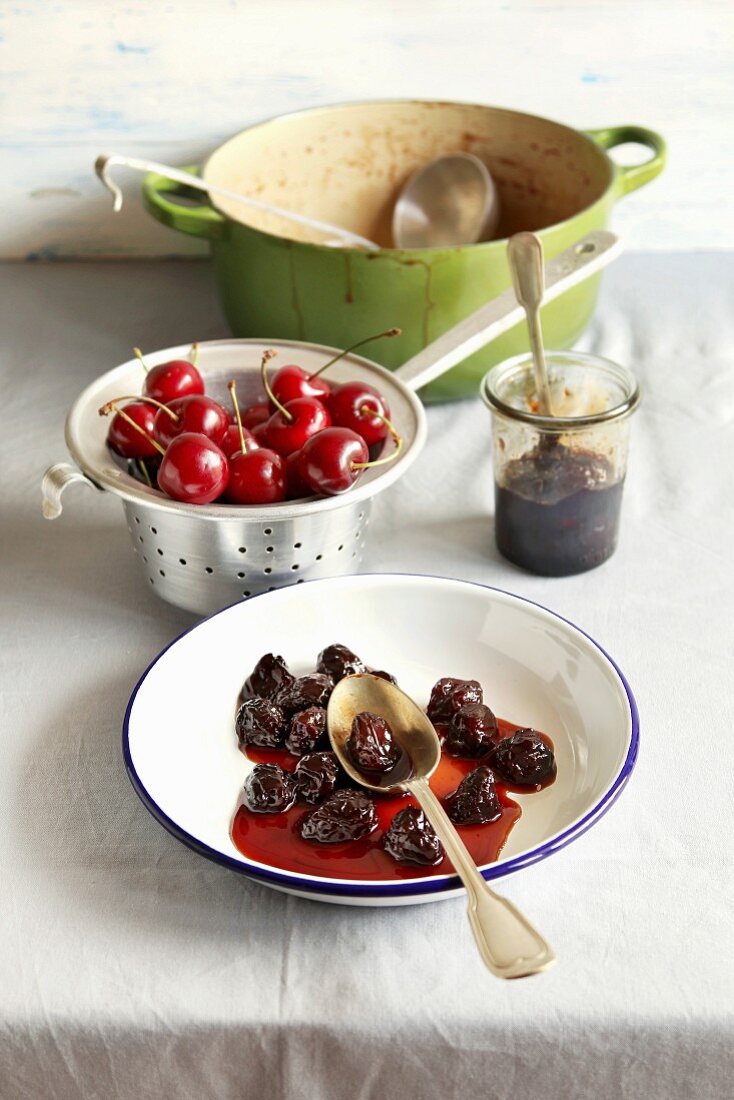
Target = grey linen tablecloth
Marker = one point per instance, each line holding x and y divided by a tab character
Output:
132	968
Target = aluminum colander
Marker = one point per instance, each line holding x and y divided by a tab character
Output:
204	557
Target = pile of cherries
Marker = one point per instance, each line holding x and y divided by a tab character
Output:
280	711
303	437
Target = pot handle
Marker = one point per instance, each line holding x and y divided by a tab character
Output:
55	480
582	260
633	176
198	221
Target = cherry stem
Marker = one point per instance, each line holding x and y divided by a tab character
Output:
194	353
232	387
139	357
365	410
112	407
146	475
264	375
150	400
367	340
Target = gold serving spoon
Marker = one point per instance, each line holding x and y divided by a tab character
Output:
507	941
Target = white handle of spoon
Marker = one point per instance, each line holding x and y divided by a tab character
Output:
509	944
103	164
525	256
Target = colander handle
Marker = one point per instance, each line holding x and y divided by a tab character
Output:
55	480
579	262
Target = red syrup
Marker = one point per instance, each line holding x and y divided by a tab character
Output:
274	840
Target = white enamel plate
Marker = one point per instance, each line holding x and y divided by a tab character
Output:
536	668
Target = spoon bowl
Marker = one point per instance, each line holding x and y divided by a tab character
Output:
509	944
451	201
410	725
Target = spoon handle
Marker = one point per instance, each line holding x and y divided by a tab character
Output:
525	257
104	163
507	941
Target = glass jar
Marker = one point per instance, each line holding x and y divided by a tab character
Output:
559	479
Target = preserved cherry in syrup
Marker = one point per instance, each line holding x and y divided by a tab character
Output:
350	839
307	728
338	661
315	777
260	722
471	731
268	790
276	840
346	815
371	745
524	759
411	839
307	691
269	675
475	801
449	695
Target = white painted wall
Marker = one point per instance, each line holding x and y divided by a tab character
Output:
170	81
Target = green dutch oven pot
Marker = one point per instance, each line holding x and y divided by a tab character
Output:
346	165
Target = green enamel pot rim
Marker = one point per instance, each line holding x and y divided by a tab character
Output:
620	177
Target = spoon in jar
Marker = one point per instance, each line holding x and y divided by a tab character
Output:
507	942
525	257
342	237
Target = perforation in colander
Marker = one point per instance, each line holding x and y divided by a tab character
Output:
203	566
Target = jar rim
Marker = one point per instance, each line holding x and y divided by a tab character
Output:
508	367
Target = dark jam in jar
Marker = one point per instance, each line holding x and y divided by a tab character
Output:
557	510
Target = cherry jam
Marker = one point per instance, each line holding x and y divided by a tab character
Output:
557	510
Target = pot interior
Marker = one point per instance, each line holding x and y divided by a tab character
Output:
347	164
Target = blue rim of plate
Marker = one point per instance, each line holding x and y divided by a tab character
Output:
403	888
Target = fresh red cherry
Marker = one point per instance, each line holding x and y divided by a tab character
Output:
291	382
256	477
127	440
257	413
193	469
176	378
259	433
198	414
296	487
351	404
331	461
232	442
290	426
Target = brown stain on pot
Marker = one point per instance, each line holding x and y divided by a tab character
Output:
295	300
349	295
429	303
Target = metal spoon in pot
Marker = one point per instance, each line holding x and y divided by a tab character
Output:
525	257
103	164
451	201
507	942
